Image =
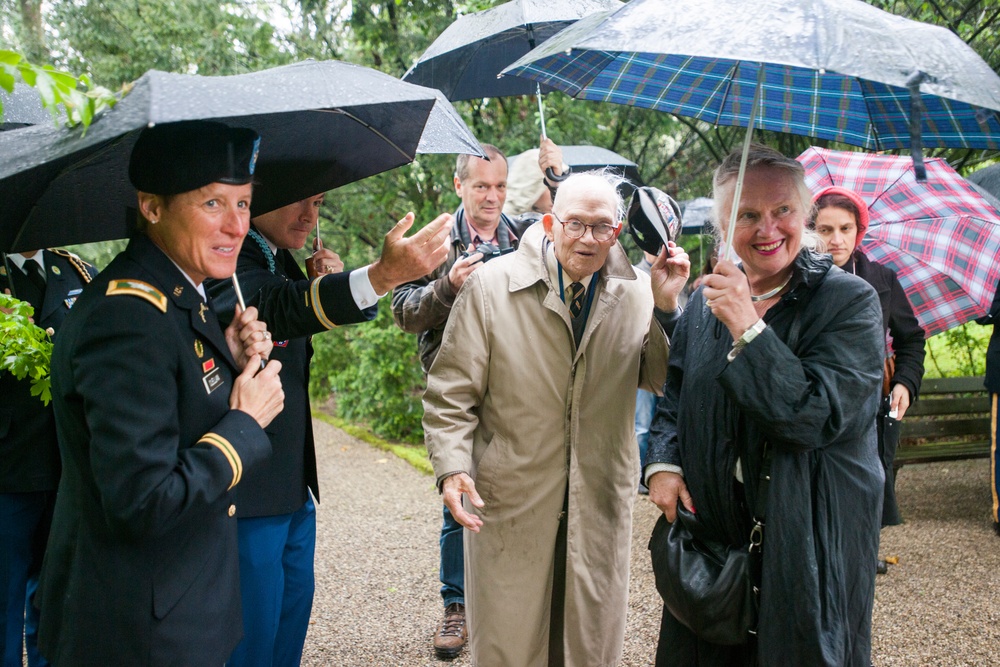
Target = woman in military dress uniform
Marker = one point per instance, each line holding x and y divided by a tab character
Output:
159	412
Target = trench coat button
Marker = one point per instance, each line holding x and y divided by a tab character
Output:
232	510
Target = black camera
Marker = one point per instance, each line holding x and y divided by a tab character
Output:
489	251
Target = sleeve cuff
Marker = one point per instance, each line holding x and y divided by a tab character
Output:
361	289
654	468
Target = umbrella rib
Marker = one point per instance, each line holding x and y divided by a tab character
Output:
371	129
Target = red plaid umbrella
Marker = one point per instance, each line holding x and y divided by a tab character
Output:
941	237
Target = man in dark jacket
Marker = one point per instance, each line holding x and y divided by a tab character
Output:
277	516
49	280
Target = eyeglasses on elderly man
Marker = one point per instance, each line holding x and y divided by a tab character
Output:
575	229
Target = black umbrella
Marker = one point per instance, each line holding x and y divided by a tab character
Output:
464	61
987	178
322	125
22	107
585	158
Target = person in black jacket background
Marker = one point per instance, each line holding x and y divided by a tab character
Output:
841	220
277	514
51	281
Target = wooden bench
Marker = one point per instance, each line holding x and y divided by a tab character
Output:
950	421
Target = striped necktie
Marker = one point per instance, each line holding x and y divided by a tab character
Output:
576	293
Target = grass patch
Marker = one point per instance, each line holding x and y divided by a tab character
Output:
415	455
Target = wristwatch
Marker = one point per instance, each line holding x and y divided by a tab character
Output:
755	330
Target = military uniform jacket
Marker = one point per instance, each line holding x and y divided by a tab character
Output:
294	308
29	455
142	565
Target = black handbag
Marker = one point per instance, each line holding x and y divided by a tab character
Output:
710	587
706	585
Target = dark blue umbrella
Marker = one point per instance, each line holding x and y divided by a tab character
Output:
840	70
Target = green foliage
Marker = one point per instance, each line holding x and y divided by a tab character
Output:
25	349
958	352
374	372
56	89
119	40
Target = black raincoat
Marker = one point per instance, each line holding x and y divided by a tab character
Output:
815	406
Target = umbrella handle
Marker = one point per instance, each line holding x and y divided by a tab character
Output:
738	190
243	306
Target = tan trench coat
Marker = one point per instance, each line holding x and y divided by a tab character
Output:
511	401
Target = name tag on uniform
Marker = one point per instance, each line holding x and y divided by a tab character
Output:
213	380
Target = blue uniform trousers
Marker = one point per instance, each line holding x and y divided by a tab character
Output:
276	586
24	528
452	560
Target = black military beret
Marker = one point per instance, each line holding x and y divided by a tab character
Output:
177	157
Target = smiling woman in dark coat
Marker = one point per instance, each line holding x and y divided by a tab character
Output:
738	378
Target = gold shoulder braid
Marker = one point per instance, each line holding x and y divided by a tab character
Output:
138	288
78	264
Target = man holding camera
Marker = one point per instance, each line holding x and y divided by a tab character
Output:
422	307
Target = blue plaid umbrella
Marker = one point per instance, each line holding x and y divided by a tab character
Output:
832	69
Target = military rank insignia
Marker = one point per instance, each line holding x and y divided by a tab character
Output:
178	290
199	349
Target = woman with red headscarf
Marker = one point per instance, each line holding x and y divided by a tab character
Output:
841	220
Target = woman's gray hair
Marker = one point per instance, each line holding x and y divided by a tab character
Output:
759	155
613	178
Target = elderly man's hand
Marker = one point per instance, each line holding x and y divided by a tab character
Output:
404	259
668	275
665	488
452	489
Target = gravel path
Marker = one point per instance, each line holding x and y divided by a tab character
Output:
377	600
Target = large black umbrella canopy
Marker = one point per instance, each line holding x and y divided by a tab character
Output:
465	59
322	125
22	107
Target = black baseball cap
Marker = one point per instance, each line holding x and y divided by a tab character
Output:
178	157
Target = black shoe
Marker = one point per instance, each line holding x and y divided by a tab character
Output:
881	567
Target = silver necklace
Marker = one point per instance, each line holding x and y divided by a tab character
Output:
770	293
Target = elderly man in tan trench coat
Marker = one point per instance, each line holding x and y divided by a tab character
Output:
534	430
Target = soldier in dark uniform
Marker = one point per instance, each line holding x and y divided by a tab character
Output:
277	516
49	280
159	413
